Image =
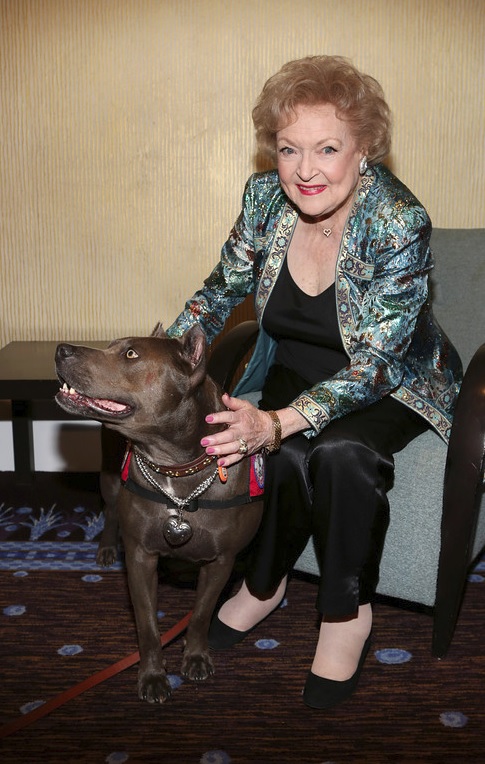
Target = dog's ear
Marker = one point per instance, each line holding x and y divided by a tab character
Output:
194	345
158	331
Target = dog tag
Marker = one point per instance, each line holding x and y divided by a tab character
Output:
176	531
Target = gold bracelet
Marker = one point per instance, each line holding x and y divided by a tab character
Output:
276	442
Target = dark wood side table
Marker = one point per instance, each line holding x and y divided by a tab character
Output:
28	379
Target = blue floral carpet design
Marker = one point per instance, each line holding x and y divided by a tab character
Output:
63	619
53	524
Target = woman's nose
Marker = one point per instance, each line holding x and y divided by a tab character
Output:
306	170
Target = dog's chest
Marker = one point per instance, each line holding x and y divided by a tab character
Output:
154	527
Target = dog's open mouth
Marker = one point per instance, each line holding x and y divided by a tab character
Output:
71	398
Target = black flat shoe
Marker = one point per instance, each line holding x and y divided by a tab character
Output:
222	637
326	693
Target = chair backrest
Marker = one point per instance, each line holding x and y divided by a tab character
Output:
458	284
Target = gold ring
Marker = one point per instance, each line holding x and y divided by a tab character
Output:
243	448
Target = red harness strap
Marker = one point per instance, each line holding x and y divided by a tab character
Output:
92	681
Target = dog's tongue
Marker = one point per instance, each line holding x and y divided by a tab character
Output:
103	403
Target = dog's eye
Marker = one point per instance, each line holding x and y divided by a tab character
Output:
130	353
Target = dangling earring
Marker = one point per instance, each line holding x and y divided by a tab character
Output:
363	165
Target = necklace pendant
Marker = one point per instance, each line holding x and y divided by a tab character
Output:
177	531
326	232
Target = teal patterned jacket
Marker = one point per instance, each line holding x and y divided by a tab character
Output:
393	341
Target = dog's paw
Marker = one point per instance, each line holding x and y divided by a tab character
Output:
106	556
197	668
154	688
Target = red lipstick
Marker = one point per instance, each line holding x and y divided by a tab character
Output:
311	190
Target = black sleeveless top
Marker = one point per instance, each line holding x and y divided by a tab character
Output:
310	347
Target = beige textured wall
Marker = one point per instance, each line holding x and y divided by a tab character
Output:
126	138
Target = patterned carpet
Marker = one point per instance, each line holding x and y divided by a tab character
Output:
54	524
62	619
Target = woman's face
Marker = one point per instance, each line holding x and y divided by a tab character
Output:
318	161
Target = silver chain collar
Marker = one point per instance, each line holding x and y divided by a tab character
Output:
180	503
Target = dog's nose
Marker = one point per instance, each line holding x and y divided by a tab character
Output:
64	351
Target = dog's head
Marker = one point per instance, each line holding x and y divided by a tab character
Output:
136	382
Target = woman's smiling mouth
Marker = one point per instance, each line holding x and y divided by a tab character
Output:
310	190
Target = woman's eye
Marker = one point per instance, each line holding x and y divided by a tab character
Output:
131	353
286	151
328	150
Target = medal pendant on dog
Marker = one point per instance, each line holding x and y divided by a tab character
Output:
177	531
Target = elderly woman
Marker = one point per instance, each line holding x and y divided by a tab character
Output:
350	360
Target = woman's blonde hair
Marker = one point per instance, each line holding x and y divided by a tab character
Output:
358	100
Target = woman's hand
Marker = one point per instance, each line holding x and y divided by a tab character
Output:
247	423
244	422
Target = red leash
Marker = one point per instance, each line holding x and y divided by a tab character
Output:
78	689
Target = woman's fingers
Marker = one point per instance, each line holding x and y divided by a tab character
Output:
247	430
233	407
228	451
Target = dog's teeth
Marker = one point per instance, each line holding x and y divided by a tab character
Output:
72	391
65	388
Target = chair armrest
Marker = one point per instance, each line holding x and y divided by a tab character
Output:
462	491
466	450
226	357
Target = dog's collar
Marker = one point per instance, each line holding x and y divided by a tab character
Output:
194	504
177	470
254	493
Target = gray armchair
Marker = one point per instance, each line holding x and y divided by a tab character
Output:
437	503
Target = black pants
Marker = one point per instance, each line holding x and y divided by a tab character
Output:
333	487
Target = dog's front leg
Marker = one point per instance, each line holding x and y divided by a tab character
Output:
113	447
153	685
197	664
107	553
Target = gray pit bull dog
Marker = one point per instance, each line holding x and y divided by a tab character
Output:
174	502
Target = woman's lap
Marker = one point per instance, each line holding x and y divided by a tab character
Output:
333	486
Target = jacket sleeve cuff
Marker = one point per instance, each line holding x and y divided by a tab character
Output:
316	416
